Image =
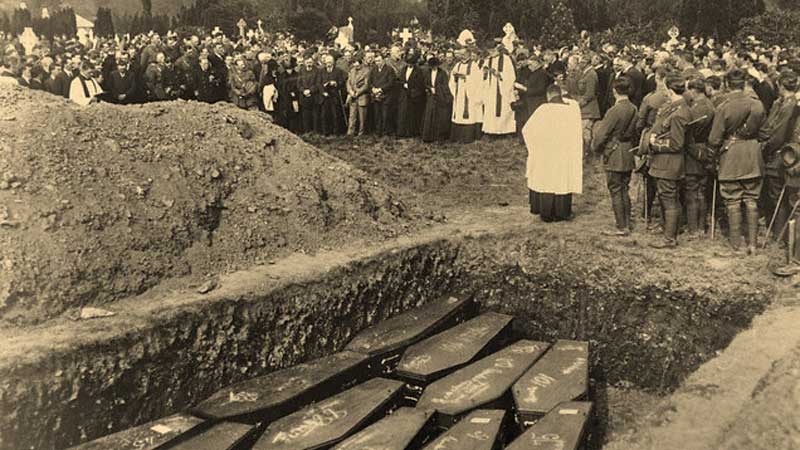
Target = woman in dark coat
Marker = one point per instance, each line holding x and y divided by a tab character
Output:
411	99
438	105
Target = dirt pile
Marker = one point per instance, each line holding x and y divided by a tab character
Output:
105	202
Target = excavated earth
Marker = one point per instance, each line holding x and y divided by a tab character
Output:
686	345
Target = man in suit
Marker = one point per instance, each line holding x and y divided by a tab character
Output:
122	82
358	97
382	79
332	81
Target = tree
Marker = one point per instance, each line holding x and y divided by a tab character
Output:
20	19
774	28
5	23
309	24
147	8
559	28
104	23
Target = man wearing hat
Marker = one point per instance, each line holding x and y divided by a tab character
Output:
741	168
358	97
773	136
667	146
465	87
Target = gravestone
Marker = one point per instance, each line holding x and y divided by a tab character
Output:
563	428
561	375
386	341
395	432
483	384
285	391
452	349
324	424
220	436
480	430
149	436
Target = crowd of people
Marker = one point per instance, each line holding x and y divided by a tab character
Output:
711	127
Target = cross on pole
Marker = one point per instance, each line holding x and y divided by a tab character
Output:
406	35
242	25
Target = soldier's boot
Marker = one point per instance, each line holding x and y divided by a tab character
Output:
619	217
692	216
671	219
752	226
735	228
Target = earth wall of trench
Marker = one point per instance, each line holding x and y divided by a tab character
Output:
644	333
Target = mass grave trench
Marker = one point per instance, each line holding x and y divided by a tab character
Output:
644	336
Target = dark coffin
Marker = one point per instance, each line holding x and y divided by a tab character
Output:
395	432
283	392
481	384
563	428
480	430
149	436
324	424
387	340
221	436
561	375
452	349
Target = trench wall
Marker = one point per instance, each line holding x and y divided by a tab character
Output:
144	374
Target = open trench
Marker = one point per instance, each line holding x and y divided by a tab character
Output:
645	337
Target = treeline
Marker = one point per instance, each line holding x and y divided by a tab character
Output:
549	22
60	22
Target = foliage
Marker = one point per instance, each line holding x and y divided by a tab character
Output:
139	23
20	19
559	27
775	28
719	18
104	23
309	24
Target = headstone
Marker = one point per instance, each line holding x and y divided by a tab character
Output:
480	430
149	436
242	25
285	391
395	432
562	375
220	436
451	349
563	428
330	421
387	340
28	39
482	384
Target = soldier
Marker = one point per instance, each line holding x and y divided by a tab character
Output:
773	136
697	157
645	120
613	138
667	146
736	125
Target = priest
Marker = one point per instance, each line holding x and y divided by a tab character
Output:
465	87
498	86
555	156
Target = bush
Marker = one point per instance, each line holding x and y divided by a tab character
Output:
774	28
309	24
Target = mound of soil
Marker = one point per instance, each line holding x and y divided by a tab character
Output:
104	202
771	420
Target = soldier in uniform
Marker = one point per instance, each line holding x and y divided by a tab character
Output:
667	146
697	157
646	119
773	136
613	137
741	168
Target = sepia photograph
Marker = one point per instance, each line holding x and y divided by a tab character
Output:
399	225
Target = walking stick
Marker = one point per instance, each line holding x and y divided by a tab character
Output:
774	216
646	195
714	211
794	210
344	110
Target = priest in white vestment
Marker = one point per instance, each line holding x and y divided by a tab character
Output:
554	139
465	85
498	86
84	89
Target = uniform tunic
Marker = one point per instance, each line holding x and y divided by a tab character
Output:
736	122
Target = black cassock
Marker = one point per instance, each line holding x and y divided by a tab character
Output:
410	102
289	102
438	107
537	83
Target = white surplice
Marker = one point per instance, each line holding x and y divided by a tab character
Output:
465	85
498	86
554	138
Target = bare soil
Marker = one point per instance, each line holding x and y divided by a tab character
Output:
105	202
